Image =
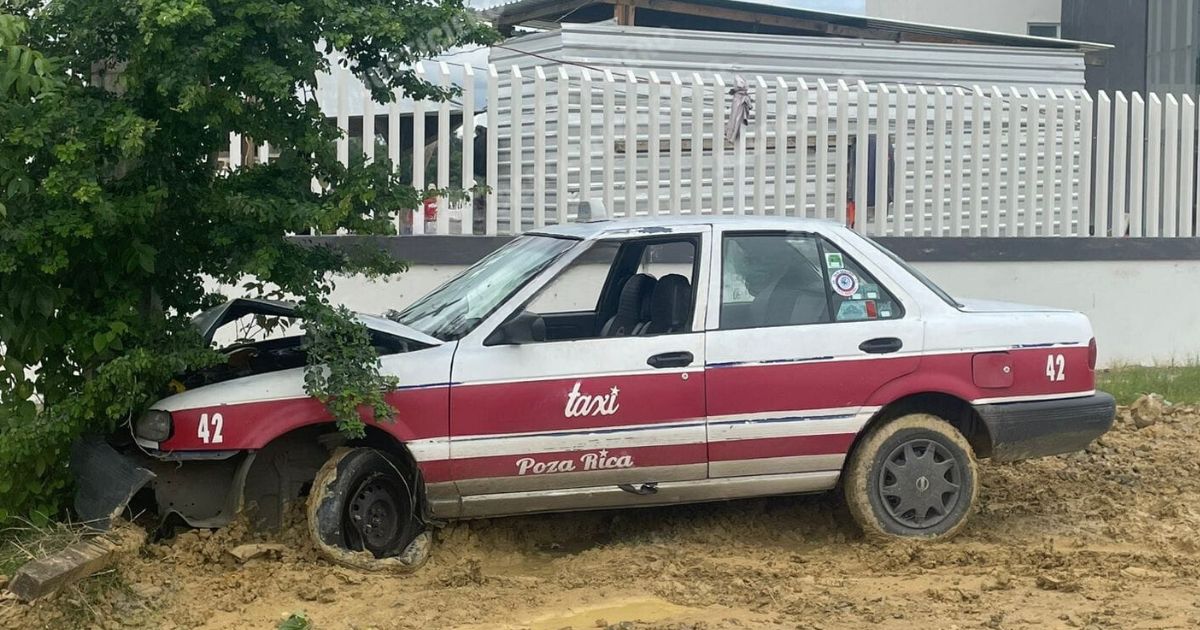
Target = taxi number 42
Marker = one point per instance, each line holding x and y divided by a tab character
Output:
1055	366
209	428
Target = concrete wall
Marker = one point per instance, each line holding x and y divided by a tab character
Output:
1143	311
1005	16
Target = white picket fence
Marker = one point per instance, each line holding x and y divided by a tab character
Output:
953	161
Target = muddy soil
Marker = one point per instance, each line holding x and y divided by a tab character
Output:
1108	538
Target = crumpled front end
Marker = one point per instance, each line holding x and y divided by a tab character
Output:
204	491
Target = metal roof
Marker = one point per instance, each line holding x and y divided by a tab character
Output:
735	15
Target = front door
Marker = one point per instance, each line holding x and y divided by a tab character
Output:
800	336
596	380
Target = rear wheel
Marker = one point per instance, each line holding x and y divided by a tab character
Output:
913	477
364	511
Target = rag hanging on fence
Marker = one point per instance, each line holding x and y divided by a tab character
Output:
740	109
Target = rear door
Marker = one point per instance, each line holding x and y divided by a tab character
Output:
578	409
800	334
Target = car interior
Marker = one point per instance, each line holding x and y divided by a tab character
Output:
647	290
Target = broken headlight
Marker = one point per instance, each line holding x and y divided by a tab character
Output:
154	425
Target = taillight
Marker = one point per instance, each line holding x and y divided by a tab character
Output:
1092	354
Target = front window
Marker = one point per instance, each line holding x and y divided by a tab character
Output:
457	307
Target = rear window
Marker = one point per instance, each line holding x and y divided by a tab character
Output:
929	284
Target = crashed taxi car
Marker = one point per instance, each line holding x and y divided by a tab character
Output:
629	363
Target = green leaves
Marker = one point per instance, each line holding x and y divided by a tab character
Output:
345	375
113	216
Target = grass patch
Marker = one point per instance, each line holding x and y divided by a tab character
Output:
21	544
84	604
1176	383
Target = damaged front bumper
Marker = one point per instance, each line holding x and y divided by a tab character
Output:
203	488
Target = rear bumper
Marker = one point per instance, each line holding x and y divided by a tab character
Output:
1023	430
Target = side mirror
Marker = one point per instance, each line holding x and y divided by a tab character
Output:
524	327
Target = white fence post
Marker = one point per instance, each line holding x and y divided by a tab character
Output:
676	143
822	157
1015	107
882	144
467	178
1137	150
1032	114
493	152
921	138
235	150
900	187
654	138
975	224
516	153
840	162
585	136
1152	186
394	147
697	92
631	148
860	157
418	158
957	134
739	172
342	86
443	153
1187	167
562	150
1068	168
609	139
539	147
718	174
801	193
1049	179
995	146
939	161
368	127
760	146
1170	167
781	145
1085	165
1120	220
1103	143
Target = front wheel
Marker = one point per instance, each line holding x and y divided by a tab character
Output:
913	477
364	512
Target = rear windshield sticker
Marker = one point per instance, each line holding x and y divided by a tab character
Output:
833	260
844	282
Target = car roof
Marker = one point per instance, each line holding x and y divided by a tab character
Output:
593	229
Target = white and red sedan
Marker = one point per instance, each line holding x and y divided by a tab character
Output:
631	363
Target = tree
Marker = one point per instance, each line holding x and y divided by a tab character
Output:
113	212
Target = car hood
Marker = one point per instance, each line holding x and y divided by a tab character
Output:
993	306
207	322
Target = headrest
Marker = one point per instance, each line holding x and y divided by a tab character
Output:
671	303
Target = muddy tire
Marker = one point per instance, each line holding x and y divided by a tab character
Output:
913	477
364	511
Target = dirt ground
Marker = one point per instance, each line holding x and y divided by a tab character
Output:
1109	538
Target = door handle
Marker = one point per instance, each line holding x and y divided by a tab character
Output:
670	359
881	345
